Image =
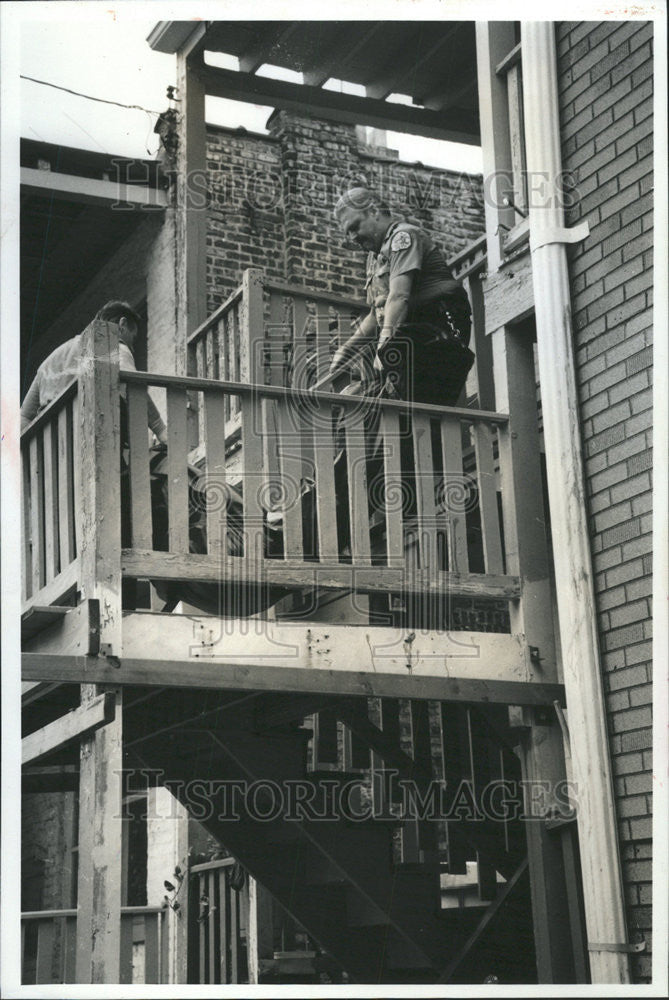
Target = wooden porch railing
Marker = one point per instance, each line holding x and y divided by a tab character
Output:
362	494
217	939
51	485
49	939
271	333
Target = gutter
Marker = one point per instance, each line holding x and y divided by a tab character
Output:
600	861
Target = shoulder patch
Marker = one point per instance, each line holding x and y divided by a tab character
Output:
401	240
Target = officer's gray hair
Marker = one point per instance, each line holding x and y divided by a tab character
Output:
361	199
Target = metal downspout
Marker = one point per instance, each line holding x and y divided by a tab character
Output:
602	880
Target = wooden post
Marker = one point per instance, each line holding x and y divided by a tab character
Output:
191	207
589	741
101	758
260	928
481	344
252	330
542	755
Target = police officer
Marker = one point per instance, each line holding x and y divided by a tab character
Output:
419	319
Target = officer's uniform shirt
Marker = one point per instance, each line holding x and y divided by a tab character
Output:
407	248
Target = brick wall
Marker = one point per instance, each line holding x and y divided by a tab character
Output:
606	110
271	201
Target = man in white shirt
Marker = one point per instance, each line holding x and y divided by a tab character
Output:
62	365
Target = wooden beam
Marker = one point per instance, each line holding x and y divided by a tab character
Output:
541	748
327	647
52	778
89	190
232	572
75	724
491	912
250	676
337	107
75	630
100	757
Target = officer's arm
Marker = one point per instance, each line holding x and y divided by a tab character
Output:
364	335
397	304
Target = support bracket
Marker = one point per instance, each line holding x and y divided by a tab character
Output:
626	949
558	234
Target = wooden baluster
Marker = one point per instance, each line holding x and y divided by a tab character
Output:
70	949
202	926
76	472
224	925
224	358
425	505
233	333
326	505
490	529
65	488
28	501
151	951
276	339
51	548
36	514
252	479
455	490
199	357
322	341
217	507
44	968
209	354
177	469
233	899
300	319
290	449
140	489
125	974
214	905
393	481
356	463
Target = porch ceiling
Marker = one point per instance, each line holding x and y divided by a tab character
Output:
433	62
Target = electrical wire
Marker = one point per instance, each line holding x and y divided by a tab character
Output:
89	97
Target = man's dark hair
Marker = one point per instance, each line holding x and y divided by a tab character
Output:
115	310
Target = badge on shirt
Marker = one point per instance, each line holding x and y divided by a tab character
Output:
401	240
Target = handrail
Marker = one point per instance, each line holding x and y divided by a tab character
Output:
55	914
222	309
316	295
207	866
48	411
280	392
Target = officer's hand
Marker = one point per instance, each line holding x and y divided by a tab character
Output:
378	365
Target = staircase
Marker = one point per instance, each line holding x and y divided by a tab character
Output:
365	890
